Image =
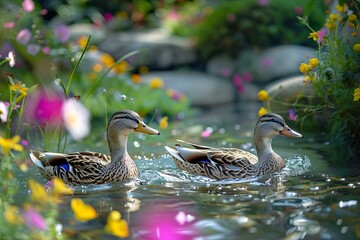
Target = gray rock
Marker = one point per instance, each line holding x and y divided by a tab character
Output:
202	89
160	50
220	66
287	90
273	63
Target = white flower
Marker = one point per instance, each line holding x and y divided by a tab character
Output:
11	59
3	112
76	118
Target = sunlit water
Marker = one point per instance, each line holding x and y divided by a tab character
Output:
307	200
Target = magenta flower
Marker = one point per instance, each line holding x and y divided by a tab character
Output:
321	35
62	33
33	49
24	36
298	10
263	3
45	50
247	76
28	5
238	81
9	25
292	115
34	220
108	17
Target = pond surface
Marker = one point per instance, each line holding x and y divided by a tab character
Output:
307	200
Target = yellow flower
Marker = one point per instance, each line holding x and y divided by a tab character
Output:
82	41
8	144
117	226
163	123
314	62
19	87
82	211
60	187
38	192
262	111
341	8
352	17
107	59
263	95
304	68
309	79
314	36
12	215
121	67
334	17
97	67
356	47
357	94
136	78
156	83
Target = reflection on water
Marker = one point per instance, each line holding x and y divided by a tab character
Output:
307	200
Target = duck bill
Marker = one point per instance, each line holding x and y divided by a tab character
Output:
290	133
143	128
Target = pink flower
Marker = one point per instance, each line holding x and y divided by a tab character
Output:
45	50
34	220
298	10
108	17
9	25
238	81
24	36
28	5
62	33
207	132
292	115
321	35
263	3
247	76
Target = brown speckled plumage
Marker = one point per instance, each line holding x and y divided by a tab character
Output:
224	163
92	167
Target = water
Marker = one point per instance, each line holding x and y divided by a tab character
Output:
308	200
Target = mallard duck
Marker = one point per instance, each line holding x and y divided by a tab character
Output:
224	163
93	167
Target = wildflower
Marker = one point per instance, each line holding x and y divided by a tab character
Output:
314	36
11	58
356	47
28	5
121	67
76	118
341	8
314	62
60	187
34	220
82	211
33	49
321	35
247	76
298	10
352	17
163	123
334	17
3	112
263	95
292	115
156	83
19	87
354	34
8	144
174	94
38	191
238	81
207	132
136	78
357	94
262	111
9	25
24	36
12	215
107	60
45	50
97	67
82	41
62	33
304	68
116	226
309	79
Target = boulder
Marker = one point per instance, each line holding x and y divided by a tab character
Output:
202	89
158	49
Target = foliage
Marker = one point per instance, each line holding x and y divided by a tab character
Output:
233	26
334	74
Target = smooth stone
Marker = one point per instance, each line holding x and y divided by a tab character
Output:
287	90
202	89
158	49
273	63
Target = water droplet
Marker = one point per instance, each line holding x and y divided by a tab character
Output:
136	144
